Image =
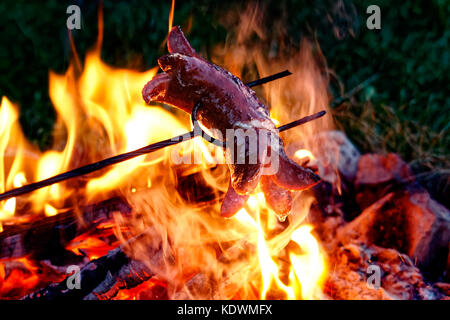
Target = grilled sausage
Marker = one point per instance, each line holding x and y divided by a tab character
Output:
227	103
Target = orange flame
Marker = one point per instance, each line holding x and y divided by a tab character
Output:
308	269
172	10
100	113
15	154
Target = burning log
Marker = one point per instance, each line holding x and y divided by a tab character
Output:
100	279
45	237
105	277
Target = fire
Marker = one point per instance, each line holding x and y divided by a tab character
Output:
100	113
309	267
307	271
24	276
21	276
303	153
172	9
8	115
12	156
90	246
9	206
50	210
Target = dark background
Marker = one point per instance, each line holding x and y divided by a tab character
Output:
405	110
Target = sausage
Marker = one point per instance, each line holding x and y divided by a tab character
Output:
232	202
227	103
277	198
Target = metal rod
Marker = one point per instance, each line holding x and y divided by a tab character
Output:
145	150
301	121
273	77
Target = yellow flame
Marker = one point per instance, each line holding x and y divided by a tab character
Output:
172	10
8	118
49	165
8	208
12	156
50	210
309	268
303	153
19	180
144	126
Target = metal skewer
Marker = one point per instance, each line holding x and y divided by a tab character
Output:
145	150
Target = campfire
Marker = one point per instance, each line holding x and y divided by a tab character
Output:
152	225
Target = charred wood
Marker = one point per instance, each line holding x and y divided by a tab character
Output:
100	279
44	236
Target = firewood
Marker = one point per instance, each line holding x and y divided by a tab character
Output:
100	279
53	232
103	278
